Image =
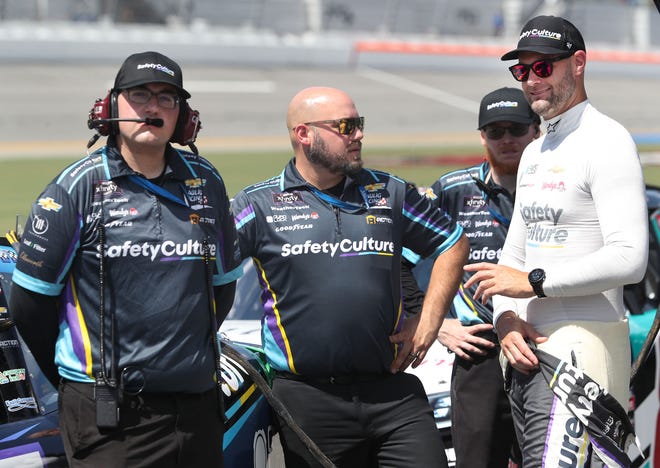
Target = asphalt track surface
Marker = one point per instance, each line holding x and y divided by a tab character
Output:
430	102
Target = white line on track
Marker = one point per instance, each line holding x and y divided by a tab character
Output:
227	86
419	89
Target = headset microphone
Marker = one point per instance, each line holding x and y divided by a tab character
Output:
95	123
98	123
103	117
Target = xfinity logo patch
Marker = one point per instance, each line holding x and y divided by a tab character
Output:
474	202
106	188
287	198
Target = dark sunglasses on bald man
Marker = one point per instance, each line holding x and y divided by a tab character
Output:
344	126
541	68
495	132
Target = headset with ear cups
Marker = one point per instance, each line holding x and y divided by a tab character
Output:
103	116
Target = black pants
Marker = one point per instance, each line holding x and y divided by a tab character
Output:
482	426
381	423
156	430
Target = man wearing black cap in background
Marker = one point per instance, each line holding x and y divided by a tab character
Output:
480	199
578	234
125	270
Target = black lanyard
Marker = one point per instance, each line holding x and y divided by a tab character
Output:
486	192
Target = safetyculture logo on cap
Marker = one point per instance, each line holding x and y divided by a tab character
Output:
499	104
155	66
542	33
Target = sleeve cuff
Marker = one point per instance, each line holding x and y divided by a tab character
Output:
502	305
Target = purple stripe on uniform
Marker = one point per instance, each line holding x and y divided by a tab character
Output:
602	449
269	316
247	211
417	214
71	317
548	431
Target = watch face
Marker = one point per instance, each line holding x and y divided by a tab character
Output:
536	275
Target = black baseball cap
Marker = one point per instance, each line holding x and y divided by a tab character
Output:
150	67
505	104
547	35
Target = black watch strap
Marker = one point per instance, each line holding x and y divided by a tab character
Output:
538	290
536	278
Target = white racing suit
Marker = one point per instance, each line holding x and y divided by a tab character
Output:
581	216
552	434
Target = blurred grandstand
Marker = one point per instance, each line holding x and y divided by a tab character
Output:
633	23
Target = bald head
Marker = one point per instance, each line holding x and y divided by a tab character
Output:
324	154
319	103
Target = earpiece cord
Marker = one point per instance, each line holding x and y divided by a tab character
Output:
108	379
208	268
486	193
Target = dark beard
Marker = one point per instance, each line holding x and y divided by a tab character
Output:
336	163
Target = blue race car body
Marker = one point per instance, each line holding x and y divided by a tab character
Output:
29	424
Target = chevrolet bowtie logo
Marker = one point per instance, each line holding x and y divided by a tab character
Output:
49	204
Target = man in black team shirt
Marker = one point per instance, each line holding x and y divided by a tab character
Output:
480	199
326	237
126	268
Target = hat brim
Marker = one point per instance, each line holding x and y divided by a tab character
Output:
131	84
513	54
507	118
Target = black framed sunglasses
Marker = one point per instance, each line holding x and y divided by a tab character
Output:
139	95
344	126
541	68
495	132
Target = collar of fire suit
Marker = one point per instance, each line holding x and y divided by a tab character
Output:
177	168
116	166
561	125
290	179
